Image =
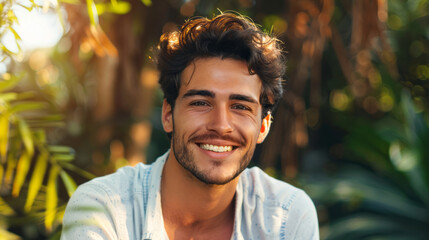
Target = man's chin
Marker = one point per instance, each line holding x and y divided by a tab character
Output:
211	178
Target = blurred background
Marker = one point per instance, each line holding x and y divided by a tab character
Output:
79	98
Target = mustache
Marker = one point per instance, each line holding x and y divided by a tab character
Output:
208	136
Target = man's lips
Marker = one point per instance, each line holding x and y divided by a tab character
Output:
216	148
215	143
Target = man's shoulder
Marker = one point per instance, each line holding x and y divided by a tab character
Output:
256	183
271	208
123	182
112	206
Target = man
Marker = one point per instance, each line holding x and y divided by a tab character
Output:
221	79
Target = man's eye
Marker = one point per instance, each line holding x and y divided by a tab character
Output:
199	103
240	107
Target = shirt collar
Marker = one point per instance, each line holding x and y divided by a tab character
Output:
154	222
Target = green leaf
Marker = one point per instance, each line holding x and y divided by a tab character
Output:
61	17
27	8
53	117
33	3
77	170
26	95
40	136
27	106
9	84
63	157
8	235
11	165
1	174
46	121
21	172
27	137
147	2
92	12
120	7
60	149
51	197
68	182
5	209
37	179
18	45
12	17
4	136
359	227
7	97
43	124
7	50
101	8
15	33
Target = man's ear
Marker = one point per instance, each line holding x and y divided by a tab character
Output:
265	128
167	117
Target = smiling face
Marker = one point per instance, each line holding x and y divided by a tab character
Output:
216	121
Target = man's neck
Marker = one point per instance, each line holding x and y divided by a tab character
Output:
192	208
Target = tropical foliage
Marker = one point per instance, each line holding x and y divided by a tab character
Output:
386	195
379	186
30	166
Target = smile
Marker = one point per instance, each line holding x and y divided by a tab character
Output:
215	148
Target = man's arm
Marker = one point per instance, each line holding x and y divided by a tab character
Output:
303	219
88	215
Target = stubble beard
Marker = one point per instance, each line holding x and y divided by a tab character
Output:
187	160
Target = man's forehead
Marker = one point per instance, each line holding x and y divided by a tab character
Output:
221	74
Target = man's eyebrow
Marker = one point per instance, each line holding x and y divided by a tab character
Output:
243	98
196	92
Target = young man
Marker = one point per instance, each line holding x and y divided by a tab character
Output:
221	79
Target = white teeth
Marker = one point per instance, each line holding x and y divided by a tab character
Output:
215	148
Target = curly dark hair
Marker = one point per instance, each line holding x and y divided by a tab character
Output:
225	36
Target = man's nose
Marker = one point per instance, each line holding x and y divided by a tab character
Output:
220	121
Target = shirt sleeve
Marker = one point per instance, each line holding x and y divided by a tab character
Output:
306	226
89	215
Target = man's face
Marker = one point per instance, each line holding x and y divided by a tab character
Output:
216	119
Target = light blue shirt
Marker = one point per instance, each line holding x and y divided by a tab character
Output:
127	205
